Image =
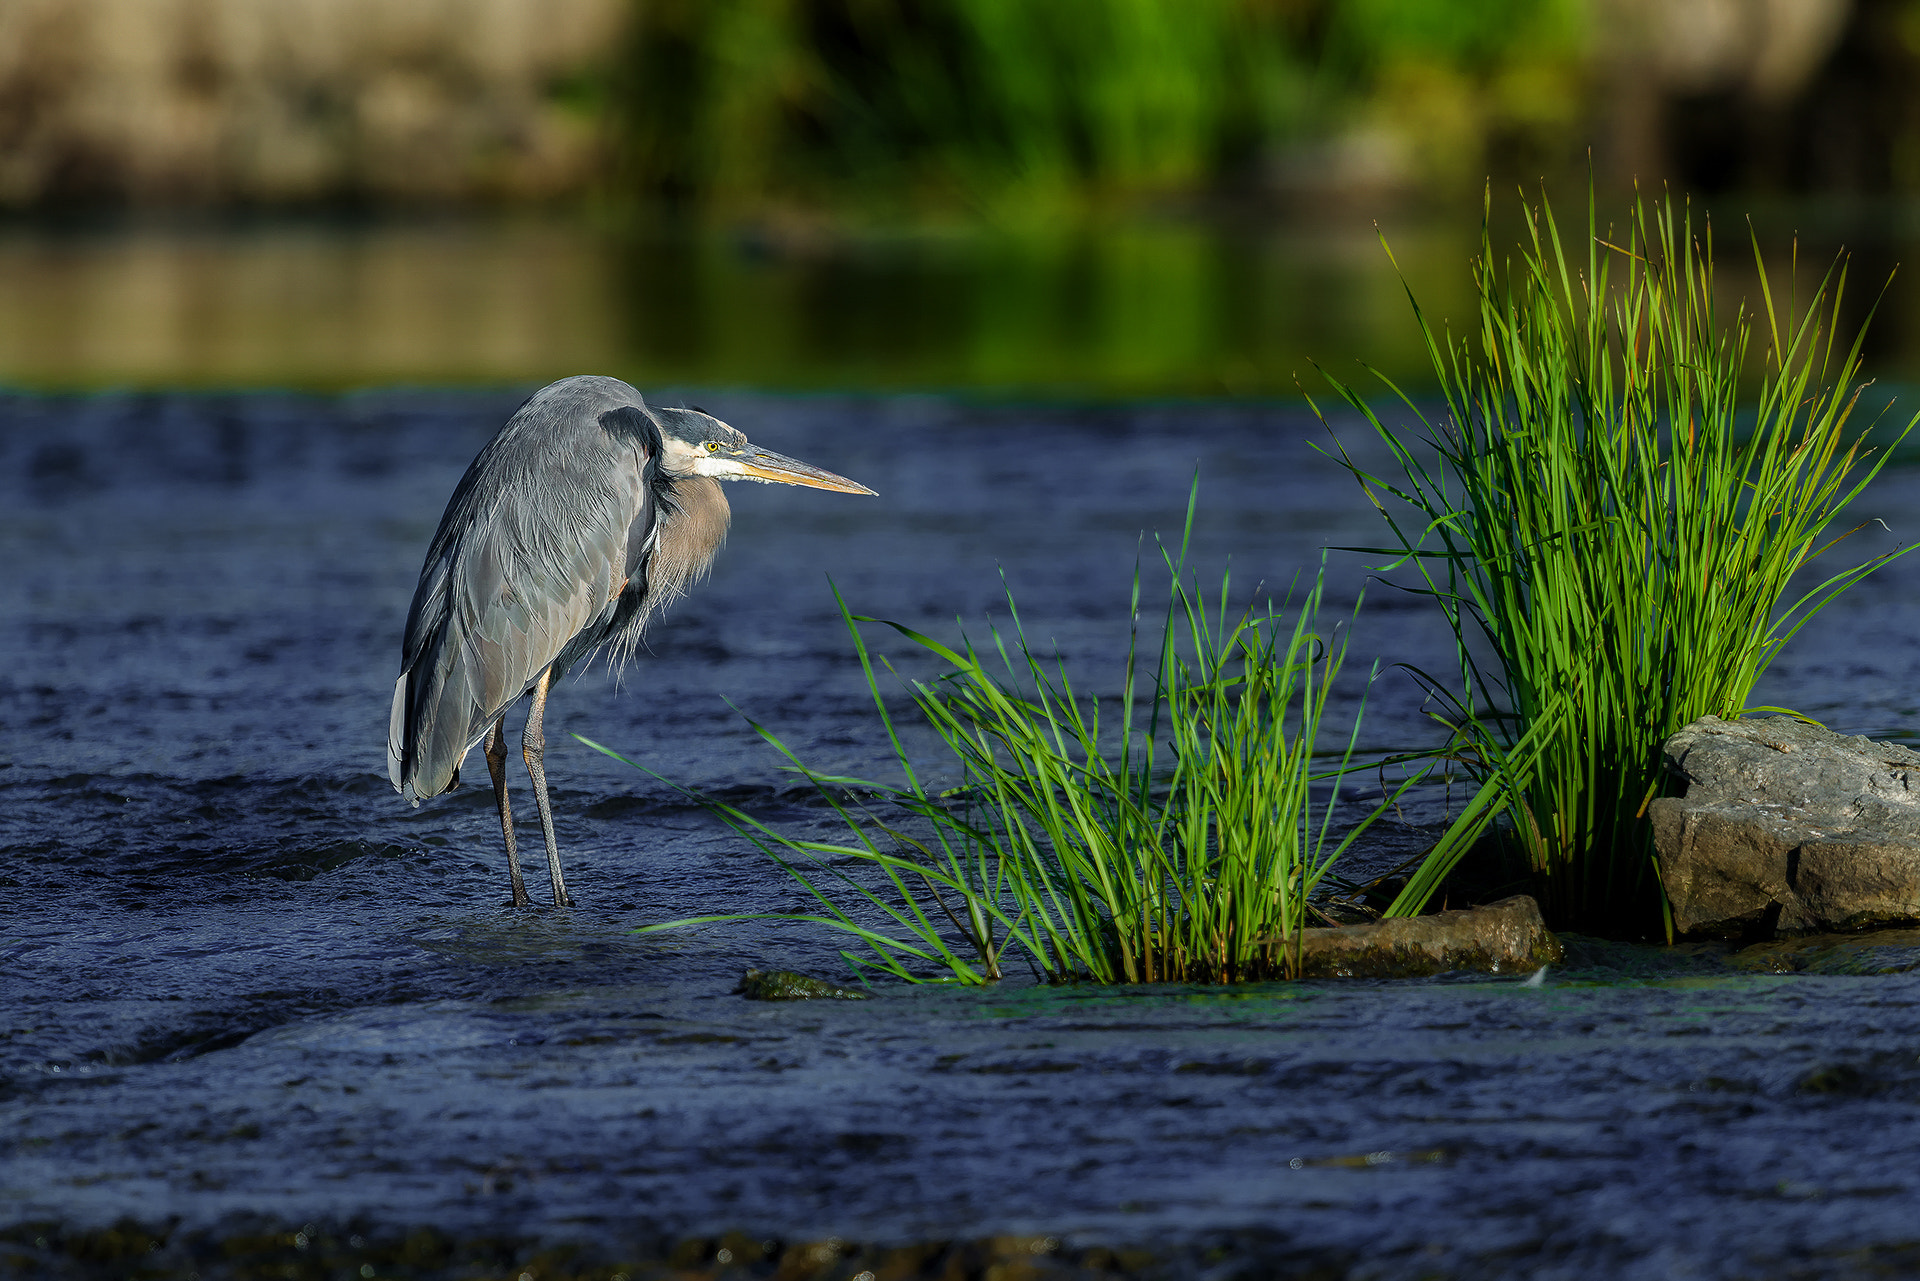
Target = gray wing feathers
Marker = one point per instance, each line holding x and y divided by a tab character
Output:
530	555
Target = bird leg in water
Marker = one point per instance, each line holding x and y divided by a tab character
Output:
496	750
533	745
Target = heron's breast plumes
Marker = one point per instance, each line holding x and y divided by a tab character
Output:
691	520
690	537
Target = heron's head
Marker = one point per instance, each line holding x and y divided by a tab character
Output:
695	443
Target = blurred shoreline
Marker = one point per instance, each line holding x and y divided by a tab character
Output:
989	111
1079	197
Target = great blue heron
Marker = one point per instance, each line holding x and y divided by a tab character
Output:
584	516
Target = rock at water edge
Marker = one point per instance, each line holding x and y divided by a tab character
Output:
1786	828
1507	937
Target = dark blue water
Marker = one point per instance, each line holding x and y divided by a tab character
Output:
243	989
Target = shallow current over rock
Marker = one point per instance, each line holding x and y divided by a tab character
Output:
245	990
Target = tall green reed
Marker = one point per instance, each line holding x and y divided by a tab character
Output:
1612	529
1172	831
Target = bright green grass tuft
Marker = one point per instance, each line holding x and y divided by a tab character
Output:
1174	832
1612	530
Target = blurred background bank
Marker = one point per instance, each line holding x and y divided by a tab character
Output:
1109	197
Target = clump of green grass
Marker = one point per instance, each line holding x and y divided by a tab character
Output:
1172	832
1612	529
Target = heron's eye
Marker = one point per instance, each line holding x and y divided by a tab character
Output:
713	447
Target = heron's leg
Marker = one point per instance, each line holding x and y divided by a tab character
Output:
533	744
496	750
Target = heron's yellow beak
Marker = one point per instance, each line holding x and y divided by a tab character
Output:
755	463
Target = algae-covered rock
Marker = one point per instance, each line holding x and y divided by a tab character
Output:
785	985
1786	828
1508	937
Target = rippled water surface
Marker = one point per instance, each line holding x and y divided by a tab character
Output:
245	988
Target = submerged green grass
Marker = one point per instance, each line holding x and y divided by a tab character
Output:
1612	529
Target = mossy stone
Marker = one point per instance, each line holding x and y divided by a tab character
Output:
786	985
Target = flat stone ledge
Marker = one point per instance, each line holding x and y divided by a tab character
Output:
1876	952
1507	937
1785	828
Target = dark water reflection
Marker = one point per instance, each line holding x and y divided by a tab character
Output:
1136	307
240	979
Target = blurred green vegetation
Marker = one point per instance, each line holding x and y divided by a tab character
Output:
1123	197
1014	110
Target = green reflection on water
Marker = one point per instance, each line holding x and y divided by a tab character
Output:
1135	310
1128	308
1143	308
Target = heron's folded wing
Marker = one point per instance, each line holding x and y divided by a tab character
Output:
523	574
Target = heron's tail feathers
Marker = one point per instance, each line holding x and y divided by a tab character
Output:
397	740
422	759
430	731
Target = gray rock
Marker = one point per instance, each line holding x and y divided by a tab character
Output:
1786	828
1507	937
